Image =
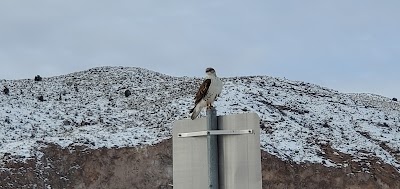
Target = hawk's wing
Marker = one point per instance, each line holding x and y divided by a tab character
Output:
202	92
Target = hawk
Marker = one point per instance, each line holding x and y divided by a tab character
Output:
209	90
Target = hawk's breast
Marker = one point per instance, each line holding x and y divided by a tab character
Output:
214	89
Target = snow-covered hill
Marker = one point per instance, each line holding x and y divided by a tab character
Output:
301	122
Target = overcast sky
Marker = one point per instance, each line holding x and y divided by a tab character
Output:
347	45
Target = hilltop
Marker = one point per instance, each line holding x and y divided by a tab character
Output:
301	122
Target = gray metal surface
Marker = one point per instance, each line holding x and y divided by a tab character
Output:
190	163
212	149
239	155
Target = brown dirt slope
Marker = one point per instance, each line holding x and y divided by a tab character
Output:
151	167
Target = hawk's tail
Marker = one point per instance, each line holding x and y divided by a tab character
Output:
195	112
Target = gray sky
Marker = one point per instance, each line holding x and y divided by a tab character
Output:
350	46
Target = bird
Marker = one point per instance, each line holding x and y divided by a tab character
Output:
208	92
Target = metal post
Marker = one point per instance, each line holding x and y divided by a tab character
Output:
212	149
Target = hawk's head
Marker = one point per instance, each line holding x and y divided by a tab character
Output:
210	71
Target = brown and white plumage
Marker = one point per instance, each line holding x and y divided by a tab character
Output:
209	90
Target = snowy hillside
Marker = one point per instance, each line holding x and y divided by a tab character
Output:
300	121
